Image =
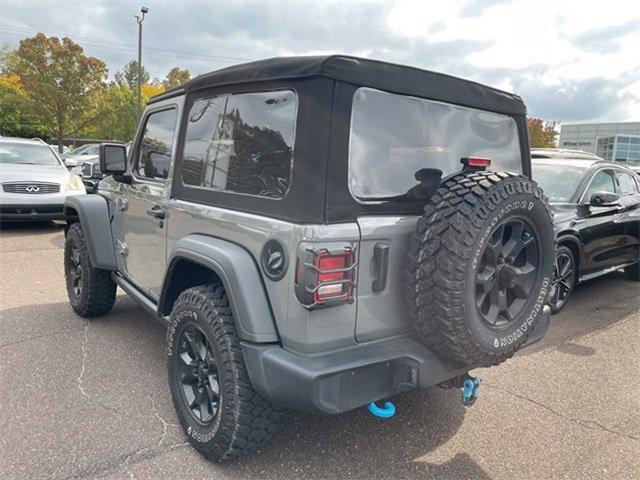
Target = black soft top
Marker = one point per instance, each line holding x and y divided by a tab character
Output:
364	72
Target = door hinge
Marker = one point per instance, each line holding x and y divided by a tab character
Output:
121	247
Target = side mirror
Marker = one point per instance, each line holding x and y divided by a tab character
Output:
70	163
604	199
113	159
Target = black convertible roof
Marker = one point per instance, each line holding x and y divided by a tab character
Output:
363	72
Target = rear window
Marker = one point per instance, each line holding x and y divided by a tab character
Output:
241	143
394	136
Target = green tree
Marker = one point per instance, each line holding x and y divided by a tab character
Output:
60	82
129	75
117	118
15	121
175	77
541	134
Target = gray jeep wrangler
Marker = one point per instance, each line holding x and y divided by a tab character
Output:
318	233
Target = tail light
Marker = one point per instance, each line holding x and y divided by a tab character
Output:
325	277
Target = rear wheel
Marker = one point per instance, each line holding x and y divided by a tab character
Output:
220	412
564	278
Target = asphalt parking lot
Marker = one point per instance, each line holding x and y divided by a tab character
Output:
89	399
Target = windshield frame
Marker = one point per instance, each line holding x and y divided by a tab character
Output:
58	160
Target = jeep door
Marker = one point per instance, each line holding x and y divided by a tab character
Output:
145	213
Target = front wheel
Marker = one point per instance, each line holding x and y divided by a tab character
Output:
91	291
564	278
220	412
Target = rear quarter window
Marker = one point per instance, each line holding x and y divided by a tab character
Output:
394	136
241	143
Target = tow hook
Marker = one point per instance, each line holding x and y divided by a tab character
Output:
470	388
387	411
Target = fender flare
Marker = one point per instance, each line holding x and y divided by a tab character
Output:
571	237
95	221
240	276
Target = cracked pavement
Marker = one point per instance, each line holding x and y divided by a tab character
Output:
85	399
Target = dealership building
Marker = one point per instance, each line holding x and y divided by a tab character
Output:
612	141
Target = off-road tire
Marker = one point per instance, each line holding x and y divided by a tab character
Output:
98	290
632	272
245	420
443	260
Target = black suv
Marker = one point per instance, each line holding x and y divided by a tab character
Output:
596	206
318	233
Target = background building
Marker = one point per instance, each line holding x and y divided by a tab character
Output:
612	141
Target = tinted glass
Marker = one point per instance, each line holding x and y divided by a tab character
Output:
25	154
626	183
241	143
394	136
154	153
602	181
559	188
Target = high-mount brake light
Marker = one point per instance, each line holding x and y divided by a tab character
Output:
476	162
325	278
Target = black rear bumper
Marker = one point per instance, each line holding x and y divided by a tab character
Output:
345	379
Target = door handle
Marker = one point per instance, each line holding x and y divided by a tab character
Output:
157	212
381	261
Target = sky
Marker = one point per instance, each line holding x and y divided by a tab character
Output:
571	61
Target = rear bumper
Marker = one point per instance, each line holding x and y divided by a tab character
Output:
32	212
345	379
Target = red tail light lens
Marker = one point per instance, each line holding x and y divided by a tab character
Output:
325	278
333	276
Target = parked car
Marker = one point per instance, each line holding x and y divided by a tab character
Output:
34	181
563	154
596	207
635	169
328	232
83	150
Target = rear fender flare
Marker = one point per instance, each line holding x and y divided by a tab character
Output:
240	276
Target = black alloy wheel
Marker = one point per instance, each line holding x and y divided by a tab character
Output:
74	271
507	272
564	275
198	372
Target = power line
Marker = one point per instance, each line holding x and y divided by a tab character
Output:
122	46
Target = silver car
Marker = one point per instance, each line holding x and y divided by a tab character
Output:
34	181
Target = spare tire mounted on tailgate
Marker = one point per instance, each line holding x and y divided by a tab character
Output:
479	266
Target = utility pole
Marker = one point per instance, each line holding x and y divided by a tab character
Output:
139	19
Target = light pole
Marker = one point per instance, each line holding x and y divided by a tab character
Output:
139	19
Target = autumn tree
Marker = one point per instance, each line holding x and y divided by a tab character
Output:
175	77
60	82
541	134
15	119
129	75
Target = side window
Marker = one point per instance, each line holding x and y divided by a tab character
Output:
626	184
95	150
602	181
154	152
241	143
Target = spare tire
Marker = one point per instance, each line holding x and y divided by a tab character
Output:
479	266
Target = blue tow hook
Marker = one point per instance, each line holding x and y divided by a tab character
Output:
387	411
470	389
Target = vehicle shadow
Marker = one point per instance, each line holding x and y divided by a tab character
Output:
593	306
24	229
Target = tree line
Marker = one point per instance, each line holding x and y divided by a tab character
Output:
50	88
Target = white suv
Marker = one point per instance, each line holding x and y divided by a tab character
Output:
34	181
